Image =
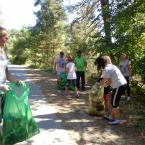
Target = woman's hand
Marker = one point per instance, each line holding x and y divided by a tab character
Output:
4	88
17	82
105	82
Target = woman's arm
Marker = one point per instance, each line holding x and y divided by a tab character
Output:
4	88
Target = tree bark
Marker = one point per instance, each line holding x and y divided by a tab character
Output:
106	20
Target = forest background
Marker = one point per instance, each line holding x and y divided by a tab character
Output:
106	27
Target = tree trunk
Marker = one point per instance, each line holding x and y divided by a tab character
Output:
106	19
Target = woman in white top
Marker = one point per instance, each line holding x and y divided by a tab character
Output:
125	68
4	73
71	76
111	75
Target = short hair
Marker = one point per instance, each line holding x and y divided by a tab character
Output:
79	51
61	53
124	54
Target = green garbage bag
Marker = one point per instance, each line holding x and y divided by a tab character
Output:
62	82
18	122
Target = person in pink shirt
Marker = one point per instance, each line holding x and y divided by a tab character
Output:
60	63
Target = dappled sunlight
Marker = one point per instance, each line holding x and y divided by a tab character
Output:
79	120
53	80
66	113
52	95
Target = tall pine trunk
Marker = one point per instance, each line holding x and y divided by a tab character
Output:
106	19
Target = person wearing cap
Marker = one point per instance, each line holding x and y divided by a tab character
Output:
81	65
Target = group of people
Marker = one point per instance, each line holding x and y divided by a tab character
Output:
114	79
75	68
118	79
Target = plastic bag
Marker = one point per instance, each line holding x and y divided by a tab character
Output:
18	122
96	99
62	82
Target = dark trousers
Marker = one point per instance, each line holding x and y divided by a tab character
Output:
2	97
116	95
80	78
127	86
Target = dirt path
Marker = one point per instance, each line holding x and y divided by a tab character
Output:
52	132
84	129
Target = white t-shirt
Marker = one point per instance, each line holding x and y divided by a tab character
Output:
112	72
71	71
3	65
123	65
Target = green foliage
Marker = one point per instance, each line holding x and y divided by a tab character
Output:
38	45
18	44
127	28
106	27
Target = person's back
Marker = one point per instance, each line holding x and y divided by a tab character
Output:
81	65
60	64
113	72
71	77
71	70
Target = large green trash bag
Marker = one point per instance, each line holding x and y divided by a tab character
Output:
18	122
96	100
62	82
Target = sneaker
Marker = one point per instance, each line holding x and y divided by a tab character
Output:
108	117
66	94
114	122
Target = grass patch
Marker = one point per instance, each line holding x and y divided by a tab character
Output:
136	108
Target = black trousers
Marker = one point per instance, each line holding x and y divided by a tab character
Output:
2	97
80	79
127	86
116	96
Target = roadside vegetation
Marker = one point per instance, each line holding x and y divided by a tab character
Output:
100	27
